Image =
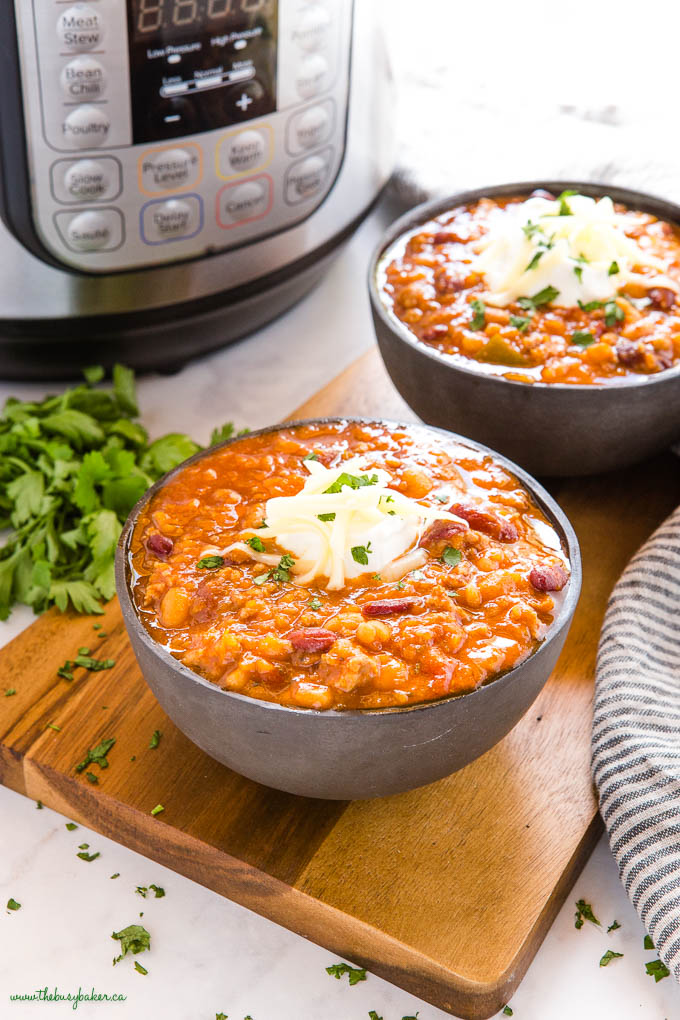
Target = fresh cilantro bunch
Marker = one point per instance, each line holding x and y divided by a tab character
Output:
71	469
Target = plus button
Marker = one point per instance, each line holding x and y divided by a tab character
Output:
244	102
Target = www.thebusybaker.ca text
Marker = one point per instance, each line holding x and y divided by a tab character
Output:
45	995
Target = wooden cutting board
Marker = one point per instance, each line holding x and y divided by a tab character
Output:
447	891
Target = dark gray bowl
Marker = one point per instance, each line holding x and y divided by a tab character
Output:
352	754
550	429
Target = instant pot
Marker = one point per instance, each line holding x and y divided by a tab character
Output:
177	172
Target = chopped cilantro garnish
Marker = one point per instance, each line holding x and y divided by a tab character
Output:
139	968
442	498
158	890
351	482
578	273
544	297
51	726
133	939
360	554
451	556
90	776
355	974
221	1016
530	229
648	944
84	856
372	1015
535	260
83	651
142	890
584	911
210	563
614	925
314	604
507	1011
376	577
607	957
565	208
282	571
478	320
97	755
657	970
612	314
115	875
590	306
326	517
155	739
157	810
256	543
521	323
39	805
93	665
12	904
96	626
10	691
83	846
71	826
93	374
613	269
583	339
311	456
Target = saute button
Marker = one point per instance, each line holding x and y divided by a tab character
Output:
241	202
170	168
172	220
86	127
306	179
312	76
80	27
88	179
245	151
312	28
92	230
83	78
310	127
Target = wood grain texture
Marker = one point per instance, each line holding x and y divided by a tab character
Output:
429	888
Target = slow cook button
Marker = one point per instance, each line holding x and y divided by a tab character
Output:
89	179
306	178
83	78
174	220
86	127
80	27
170	169
92	230
240	203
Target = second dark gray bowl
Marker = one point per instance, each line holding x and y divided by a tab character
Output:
353	754
550	429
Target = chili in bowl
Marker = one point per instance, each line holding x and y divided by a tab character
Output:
347	608
541	318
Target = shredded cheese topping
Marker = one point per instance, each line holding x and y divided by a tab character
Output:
575	245
367	528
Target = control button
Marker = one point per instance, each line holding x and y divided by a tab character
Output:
83	78
247	100
312	29
88	179
243	151
80	27
86	127
241	203
92	230
312	76
311	127
172	220
170	169
306	178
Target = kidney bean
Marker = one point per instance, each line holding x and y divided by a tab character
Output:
437	332
629	352
159	545
542	193
312	639
662	297
388	607
440	531
444	283
549	577
448	237
497	527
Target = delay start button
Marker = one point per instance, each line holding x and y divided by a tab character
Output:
86	127
172	220
80	27
170	169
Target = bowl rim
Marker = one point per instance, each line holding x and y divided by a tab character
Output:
644	201
544	500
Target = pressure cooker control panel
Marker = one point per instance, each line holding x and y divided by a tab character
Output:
161	130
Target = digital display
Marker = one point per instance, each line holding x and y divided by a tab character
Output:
196	65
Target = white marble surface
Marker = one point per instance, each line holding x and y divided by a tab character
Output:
209	955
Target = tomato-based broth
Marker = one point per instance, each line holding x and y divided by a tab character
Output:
565	289
346	565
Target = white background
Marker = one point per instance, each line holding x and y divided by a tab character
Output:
529	86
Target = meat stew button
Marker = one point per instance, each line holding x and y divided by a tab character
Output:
80	27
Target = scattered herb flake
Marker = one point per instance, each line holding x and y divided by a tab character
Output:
90	776
97	755
155	739
210	563
578	273
607	957
84	856
158	890
545	296
613	926
311	456
12	904
355	974
71	826
93	665
584	912
282	571
351	482
582	338
133	939
478	320
39	804
139	968
93	374
565	208
116	874
314	604
360	554
157	810
451	556
256	543
326	517
535	259
84	846
142	890
507	1011
612	314
51	726
520	322
65	671
613	269
221	1016
648	944
83	651
657	970
10	691
372	1015
96	626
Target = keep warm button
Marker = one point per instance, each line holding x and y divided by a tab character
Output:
173	220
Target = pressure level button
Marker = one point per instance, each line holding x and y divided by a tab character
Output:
80	28
83	78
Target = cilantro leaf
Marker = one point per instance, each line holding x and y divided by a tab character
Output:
355	974
124	390
535	260
584	911
256	543
326	517
565	208
155	739
613	269
133	939
139	968
210	563
545	296
12	904
521	323
607	957
615	924
351	482
360	554
451	556
582	339
97	755
478	320
657	969
612	314
647	943
93	374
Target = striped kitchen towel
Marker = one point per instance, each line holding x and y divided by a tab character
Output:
636	735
